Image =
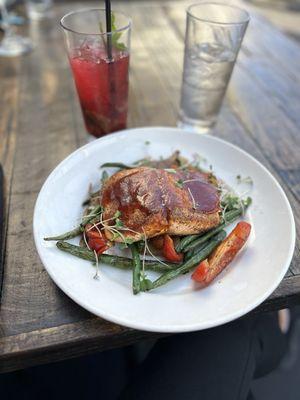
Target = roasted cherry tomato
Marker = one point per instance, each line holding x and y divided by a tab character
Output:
169	251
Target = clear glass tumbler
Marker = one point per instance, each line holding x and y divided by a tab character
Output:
39	9
214	33
99	61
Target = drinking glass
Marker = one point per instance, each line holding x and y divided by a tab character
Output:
99	61
12	44
39	9
214	33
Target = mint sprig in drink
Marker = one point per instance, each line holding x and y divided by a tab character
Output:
100	72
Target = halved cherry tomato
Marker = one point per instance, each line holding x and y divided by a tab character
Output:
208	269
169	251
96	240
97	244
157	242
93	234
201	271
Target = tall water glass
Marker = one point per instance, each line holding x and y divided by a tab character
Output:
99	61
214	33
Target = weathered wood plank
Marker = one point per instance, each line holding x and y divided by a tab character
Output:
30	299
271	129
45	135
275	46
79	339
9	70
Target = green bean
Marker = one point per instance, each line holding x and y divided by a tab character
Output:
117	165
184	242
115	261
136	270
65	236
140	246
77	231
104	177
139	163
189	264
192	252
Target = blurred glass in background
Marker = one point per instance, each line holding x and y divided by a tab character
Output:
39	9
12	44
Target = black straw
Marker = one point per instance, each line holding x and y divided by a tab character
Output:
108	28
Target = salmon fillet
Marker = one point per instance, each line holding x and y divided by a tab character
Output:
155	201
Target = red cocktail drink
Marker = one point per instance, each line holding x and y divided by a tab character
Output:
102	87
99	62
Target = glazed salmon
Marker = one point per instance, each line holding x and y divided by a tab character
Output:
154	201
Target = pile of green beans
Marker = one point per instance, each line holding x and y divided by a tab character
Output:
190	263
169	270
115	261
196	248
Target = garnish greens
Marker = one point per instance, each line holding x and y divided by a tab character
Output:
179	183
246	179
198	160
115	37
230	200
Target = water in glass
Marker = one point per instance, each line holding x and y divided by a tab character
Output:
207	69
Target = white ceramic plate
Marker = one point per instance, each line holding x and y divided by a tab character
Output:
179	306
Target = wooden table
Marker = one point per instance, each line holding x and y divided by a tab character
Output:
41	123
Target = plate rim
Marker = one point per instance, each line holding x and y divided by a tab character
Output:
174	328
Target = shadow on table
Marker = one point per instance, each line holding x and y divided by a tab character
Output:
283	383
99	376
103	375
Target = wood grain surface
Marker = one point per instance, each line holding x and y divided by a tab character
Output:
41	123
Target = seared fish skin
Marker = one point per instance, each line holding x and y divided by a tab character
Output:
155	201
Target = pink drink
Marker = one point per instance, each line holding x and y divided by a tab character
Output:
102	88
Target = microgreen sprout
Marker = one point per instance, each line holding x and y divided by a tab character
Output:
192	197
198	159
149	251
117	214
96	276
246	180
230	200
179	183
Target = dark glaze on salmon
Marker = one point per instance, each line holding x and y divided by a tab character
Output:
155	201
